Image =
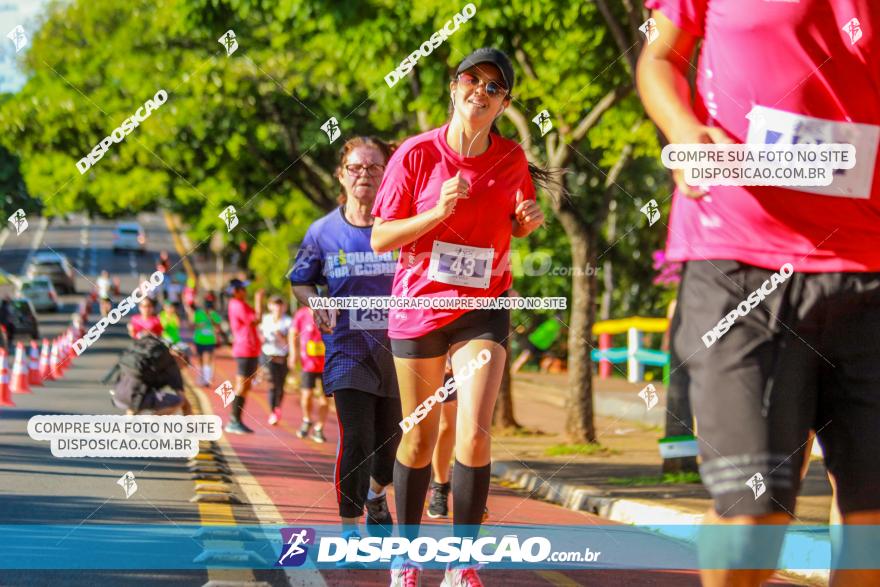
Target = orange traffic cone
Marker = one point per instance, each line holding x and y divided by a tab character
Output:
62	365
5	392
62	355
20	371
46	373
34	365
68	351
53	361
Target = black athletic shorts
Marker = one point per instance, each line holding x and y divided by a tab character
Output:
805	357
247	366
452	396
308	379
491	325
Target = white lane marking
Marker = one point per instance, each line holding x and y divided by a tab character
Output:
132	264
93	260
35	242
83	241
3	236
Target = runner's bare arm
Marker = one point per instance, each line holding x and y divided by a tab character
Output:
292	347
661	76
527	217
662	79
258	306
388	235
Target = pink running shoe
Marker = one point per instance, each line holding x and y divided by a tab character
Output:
406	574
461	577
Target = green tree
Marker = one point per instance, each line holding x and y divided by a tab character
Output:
244	129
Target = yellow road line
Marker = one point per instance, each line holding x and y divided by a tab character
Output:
216	514
557	578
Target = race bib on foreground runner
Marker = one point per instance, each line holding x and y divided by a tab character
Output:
769	126
461	265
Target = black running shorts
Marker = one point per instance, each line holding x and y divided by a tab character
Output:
491	325
805	357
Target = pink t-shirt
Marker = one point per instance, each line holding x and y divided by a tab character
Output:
311	345
470	248
245	342
151	324
789	58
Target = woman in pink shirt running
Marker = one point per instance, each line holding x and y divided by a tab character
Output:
451	200
146	321
779	303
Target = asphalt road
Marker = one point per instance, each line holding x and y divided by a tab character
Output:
38	488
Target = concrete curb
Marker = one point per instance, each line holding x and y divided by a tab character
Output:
628	511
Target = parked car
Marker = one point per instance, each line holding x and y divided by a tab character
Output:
8	284
24	318
40	292
129	236
56	267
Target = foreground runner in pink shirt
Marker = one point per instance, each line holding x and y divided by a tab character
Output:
451	199
806	355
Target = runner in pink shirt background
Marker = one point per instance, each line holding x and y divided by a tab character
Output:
146	320
311	357
806	356
243	321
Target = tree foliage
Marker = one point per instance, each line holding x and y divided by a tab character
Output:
245	129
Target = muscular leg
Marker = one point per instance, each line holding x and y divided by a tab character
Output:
857	577
476	402
445	442
417	380
740	577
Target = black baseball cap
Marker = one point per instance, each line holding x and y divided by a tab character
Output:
235	284
494	56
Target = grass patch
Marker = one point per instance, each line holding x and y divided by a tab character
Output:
561	450
518	432
667	479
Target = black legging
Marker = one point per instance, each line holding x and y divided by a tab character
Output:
277	373
369	432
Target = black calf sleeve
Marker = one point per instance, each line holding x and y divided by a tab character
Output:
410	490
470	489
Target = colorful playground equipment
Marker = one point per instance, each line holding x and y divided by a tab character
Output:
633	354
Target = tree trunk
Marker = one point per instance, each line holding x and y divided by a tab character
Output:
608	269
503	416
579	424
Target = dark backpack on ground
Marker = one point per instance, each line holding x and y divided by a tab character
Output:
145	367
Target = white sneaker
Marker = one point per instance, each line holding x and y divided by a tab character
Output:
461	577
405	573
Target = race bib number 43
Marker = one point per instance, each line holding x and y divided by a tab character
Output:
461	265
